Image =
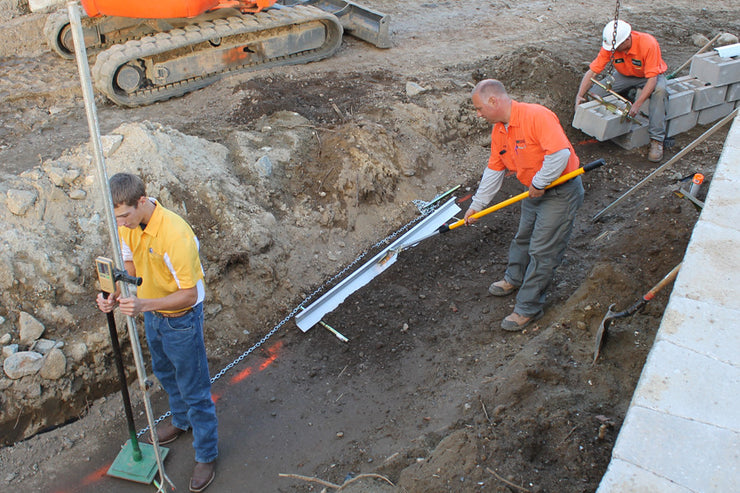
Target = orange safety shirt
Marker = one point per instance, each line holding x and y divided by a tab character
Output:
643	59
533	131
165	255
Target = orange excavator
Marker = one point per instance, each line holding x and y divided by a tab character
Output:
149	51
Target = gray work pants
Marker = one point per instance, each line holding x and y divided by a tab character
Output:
658	100
539	245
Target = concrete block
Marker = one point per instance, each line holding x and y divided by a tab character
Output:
681	124
733	92
706	96
597	121
697	456
714	113
712	68
637	137
680	99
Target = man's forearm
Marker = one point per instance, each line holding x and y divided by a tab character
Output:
490	183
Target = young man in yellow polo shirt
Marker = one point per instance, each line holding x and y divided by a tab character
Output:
637	63
161	248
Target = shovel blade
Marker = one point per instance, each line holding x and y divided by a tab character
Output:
602	332
313	314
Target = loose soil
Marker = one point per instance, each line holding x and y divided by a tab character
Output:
428	392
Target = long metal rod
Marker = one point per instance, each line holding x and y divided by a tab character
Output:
670	162
92	121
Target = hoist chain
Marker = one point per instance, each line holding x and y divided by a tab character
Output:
385	241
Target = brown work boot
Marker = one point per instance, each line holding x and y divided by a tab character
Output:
166	433
515	322
501	288
655	154
203	474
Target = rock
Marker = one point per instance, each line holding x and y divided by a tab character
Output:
44	5
6	338
10	349
412	89
77	351
19	201
726	39
31	329
54	365
43	346
77	194
110	143
56	175
263	166
23	363
699	40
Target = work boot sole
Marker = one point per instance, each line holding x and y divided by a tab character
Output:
499	291
512	326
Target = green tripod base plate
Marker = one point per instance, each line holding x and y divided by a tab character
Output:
141	471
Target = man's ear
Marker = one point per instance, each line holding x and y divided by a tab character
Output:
491	101
142	200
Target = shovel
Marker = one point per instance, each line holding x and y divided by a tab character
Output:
611	315
568	176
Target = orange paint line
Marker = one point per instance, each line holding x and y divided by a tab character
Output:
241	375
587	141
96	476
268	362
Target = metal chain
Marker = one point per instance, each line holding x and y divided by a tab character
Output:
385	241
614	40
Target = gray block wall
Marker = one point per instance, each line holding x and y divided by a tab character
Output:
710	92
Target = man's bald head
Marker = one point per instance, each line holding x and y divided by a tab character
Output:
491	101
488	88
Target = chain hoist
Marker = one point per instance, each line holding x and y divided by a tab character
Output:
610	67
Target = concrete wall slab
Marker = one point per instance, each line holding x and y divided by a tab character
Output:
683	383
698	456
622	476
704	327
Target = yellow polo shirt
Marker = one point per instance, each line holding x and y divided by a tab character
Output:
165	255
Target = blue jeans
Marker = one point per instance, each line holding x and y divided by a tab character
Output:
539	245
179	362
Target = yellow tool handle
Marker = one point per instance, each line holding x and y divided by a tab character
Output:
524	195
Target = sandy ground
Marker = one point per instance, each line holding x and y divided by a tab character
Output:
428	392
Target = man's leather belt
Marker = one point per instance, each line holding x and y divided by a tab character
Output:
174	315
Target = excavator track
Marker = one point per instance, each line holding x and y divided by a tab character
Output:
173	63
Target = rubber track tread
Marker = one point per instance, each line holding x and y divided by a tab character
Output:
108	61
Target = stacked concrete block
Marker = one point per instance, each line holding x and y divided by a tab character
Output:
709	93
681	124
680	97
714	69
715	113
600	122
733	92
707	96
638	136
